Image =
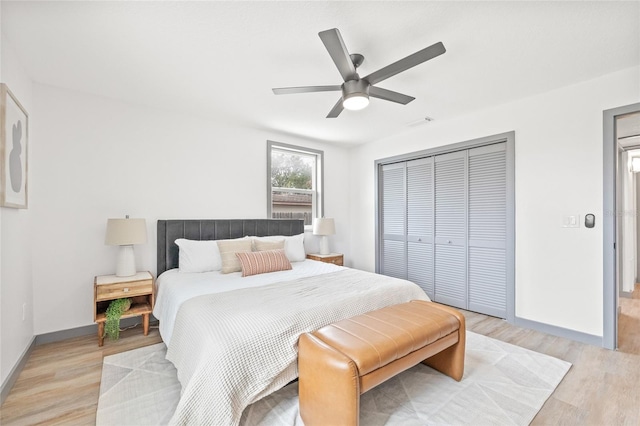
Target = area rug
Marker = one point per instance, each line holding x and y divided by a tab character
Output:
503	384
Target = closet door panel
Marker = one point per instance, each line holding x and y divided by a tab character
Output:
420	200
487	281
394	259
488	230
450	276
450	198
394	200
450	229
420	224
393	182
420	265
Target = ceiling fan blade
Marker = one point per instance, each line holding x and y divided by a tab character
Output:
338	51
305	89
336	110
389	95
406	63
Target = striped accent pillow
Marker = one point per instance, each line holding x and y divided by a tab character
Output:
260	262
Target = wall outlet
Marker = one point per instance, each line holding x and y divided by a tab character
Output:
24	311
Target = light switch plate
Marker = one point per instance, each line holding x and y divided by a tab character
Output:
571	221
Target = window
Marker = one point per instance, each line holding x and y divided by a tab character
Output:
294	182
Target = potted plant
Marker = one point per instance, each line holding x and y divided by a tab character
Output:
114	312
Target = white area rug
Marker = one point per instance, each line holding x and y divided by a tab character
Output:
503	384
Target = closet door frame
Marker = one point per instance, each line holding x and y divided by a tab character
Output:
509	139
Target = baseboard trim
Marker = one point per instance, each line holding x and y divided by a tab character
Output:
56	336
626	294
578	336
15	371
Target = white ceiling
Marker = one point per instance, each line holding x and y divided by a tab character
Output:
220	60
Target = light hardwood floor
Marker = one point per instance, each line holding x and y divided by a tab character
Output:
61	381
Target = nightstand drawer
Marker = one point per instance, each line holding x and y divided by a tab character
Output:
335	260
125	289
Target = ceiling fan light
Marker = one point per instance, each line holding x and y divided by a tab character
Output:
356	101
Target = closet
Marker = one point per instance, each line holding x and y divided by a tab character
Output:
443	224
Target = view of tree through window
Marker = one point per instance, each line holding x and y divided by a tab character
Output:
291	170
294	177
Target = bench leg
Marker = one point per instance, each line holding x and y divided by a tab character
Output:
451	360
329	384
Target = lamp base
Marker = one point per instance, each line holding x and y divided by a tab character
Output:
126	262
324	245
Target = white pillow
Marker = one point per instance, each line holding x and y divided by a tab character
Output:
198	256
293	246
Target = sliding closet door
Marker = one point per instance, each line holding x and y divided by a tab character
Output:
420	223
488	230
393	182
451	229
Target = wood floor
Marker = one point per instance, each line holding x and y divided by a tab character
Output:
61	381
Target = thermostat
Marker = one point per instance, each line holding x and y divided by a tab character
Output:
589	220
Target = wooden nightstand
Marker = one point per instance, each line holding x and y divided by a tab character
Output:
138	287
335	258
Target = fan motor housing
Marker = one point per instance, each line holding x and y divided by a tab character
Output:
355	87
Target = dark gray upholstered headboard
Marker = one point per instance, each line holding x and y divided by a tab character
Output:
216	229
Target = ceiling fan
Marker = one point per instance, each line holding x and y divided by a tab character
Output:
355	89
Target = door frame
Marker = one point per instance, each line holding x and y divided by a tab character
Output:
609	221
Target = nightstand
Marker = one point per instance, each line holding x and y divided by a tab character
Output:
138	287
335	258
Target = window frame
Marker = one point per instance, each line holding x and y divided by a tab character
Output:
317	183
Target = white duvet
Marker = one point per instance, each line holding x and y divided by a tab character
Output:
232	348
174	287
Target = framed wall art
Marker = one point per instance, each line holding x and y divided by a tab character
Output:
14	132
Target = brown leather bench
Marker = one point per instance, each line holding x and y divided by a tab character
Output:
343	360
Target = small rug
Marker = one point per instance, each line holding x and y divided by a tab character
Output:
503	384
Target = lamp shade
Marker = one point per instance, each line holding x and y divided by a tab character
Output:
122	232
324	226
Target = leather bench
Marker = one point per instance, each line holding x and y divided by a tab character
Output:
341	361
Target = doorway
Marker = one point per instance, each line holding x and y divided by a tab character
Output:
621	137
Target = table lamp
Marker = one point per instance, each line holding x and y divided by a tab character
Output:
125	233
324	226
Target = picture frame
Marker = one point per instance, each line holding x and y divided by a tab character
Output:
14	137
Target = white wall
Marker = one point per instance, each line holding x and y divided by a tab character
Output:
15	247
97	158
559	171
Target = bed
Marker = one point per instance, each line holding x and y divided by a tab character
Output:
233	339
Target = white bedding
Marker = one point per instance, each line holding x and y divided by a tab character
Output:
174	287
235	339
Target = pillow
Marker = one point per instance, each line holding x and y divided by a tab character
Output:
262	245
293	246
228	250
260	262
198	256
